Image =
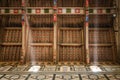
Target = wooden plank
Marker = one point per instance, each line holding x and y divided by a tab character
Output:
23	44
11	43
83	48
87	45
41	44
55	43
13	28
46	29
59	40
112	38
99	29
70	44
101	7
22	58
100	44
87	33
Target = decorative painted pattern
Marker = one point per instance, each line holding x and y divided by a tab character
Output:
70	11
59	11
10	11
102	11
40	11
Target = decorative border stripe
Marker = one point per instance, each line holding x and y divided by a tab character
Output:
59	11
70	11
102	11
40	11
10	11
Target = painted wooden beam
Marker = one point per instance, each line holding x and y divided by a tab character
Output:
55	33
23	33
60	10
87	32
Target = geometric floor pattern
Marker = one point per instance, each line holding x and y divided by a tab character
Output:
58	72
